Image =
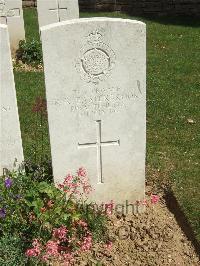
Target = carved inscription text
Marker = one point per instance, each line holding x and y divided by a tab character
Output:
99	101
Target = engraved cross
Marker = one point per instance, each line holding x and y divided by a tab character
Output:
98	145
58	10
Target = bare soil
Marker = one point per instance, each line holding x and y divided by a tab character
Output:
21	67
148	239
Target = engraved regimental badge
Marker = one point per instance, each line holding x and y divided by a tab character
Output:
96	60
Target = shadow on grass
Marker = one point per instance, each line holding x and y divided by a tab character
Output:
181	219
176	20
186	21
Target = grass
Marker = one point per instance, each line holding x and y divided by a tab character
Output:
173	97
31	24
29	86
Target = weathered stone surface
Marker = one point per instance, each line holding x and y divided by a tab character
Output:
96	87
11	152
52	11
11	14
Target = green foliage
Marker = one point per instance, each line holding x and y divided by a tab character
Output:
12	205
97	222
11	251
30	52
33	208
41	171
31	24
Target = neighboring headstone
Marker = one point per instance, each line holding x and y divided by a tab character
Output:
11	152
52	11
11	14
95	71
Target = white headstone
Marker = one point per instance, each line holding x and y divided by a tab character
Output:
52	11
11	152
95	71
11	14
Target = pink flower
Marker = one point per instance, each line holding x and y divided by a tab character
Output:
31	252
52	248
35	251
68	181
60	233
50	203
82	223
87	189
109	207
144	202
154	199
45	258
109	245
81	172
60	186
69	258
87	243
70	184
36	243
85	185
76	184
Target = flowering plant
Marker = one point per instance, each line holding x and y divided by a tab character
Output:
12	205
52	222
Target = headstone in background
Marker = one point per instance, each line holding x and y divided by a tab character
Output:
52	11
11	14
95	71
11	152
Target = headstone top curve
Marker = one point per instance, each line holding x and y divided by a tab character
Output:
54	11
94	19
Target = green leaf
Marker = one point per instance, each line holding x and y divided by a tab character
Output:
76	217
37	204
66	216
47	189
42	186
58	210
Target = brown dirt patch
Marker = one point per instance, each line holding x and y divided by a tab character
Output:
147	239
19	66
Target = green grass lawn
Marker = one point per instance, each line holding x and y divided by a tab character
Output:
173	97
